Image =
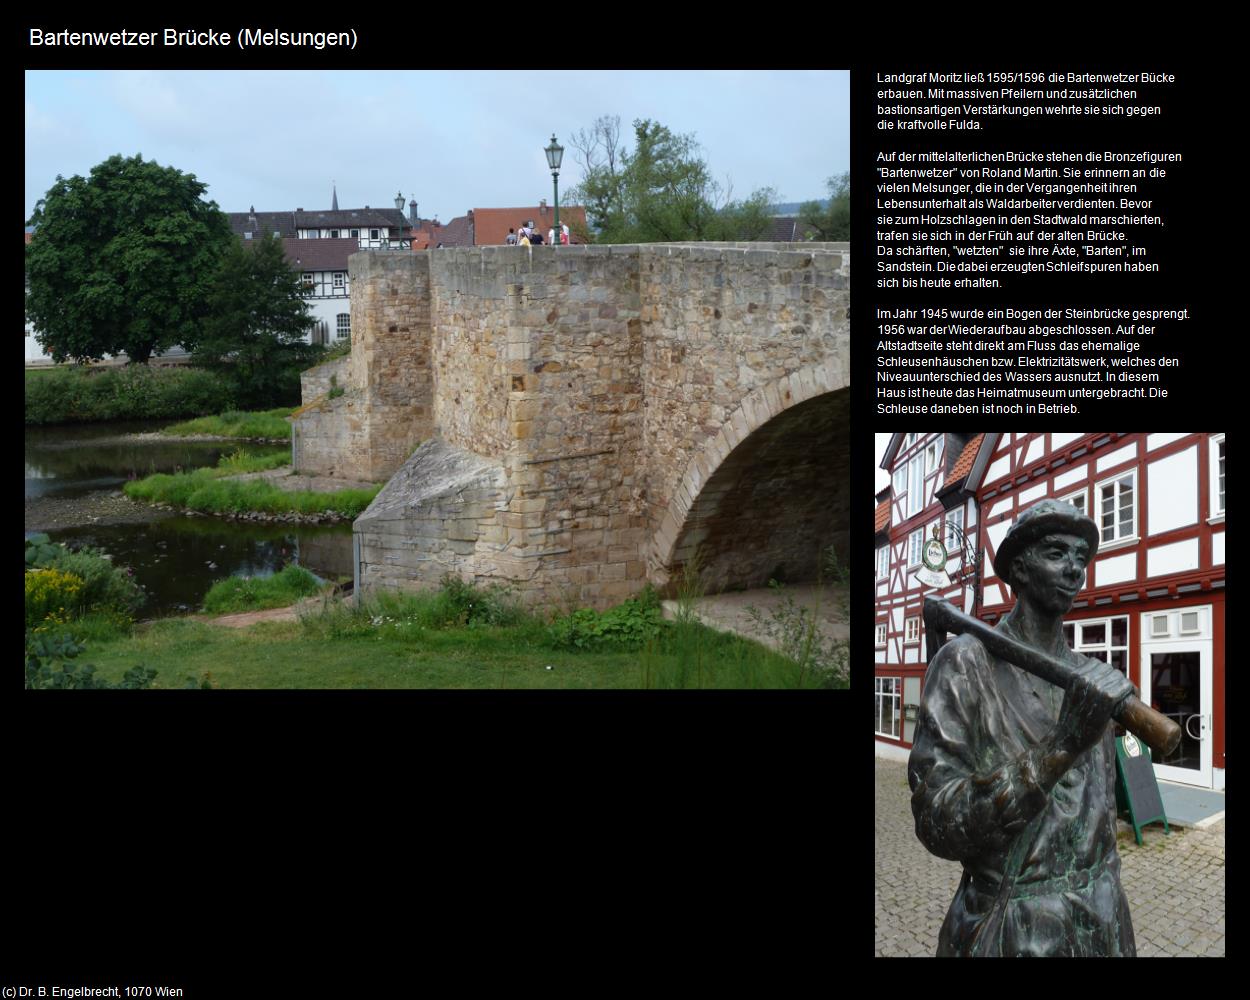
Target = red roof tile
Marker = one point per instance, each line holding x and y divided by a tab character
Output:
491	225
963	464
881	516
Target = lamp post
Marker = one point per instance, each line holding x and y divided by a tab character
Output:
555	153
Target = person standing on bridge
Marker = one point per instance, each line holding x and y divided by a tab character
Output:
1015	778
511	238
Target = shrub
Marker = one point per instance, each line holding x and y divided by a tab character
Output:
104	587
130	392
238	423
626	626
52	596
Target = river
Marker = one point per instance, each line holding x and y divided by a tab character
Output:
74	476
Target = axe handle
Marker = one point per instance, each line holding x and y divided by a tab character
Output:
1159	732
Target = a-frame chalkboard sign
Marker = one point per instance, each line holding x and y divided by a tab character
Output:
1135	787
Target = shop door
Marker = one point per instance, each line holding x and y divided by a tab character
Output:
1176	680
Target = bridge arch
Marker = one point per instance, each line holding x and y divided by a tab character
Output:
769	491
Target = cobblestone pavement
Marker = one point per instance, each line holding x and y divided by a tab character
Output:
1174	883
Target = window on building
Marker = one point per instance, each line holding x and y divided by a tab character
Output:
334	234
310	282
888	696
1117	508
915	547
900	487
883	562
1217	475
915	486
343	326
340	280
881	634
247	236
1079	500
1103	639
911	629
932	456
355	234
373	234
955	530
314	234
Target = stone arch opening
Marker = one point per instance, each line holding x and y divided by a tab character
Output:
774	505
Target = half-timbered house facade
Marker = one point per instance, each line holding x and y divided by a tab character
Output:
926	500
1153	600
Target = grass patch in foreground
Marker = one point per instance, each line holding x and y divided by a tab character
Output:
434	640
238	423
256	593
203	490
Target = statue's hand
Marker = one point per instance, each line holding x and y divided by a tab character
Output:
1096	691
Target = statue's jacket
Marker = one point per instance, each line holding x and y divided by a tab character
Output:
972	772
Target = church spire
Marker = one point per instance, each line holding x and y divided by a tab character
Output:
334	205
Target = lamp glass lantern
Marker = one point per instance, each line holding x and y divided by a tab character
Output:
555	154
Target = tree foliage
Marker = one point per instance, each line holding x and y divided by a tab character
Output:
120	261
257	323
660	191
832	221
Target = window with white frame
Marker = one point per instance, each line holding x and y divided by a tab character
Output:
915	547
334	234
911	629
1103	639
883	562
354	233
955	530
915	486
1079	500
343	327
340	280
932	456
881	634
1217	475
1117	508
373	234
888	697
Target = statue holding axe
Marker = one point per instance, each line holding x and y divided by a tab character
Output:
1012	769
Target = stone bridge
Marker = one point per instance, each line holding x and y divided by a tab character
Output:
577	421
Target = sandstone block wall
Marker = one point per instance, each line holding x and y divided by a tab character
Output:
591	395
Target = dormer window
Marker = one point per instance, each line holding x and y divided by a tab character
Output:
247	236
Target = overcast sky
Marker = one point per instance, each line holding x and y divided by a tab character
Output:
451	139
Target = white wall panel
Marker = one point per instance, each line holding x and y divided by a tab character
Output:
993	595
1176	558
1001	507
896	619
1115	569
1172	492
1032	493
1217	548
1037	448
911	655
996	532
1073	476
998	469
1118	457
1059	441
1154	441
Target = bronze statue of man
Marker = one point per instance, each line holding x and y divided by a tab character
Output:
1015	778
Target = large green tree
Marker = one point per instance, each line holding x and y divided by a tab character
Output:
831	221
660	191
120	261
256	324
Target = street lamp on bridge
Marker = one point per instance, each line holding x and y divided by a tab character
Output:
555	153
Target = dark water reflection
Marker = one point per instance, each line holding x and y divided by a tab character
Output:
175	558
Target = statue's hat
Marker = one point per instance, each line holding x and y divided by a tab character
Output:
1047	517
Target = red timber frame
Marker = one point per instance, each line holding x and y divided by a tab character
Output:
1025	468
899	596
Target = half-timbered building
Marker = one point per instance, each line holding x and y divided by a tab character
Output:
1153	600
925	501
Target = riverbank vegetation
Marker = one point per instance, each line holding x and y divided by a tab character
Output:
256	593
132	392
456	637
206	492
255	425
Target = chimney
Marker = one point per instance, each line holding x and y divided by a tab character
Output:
299	210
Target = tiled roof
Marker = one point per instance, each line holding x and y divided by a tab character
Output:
457	233
289	223
881	516
963	464
319	255
787	229
491	225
